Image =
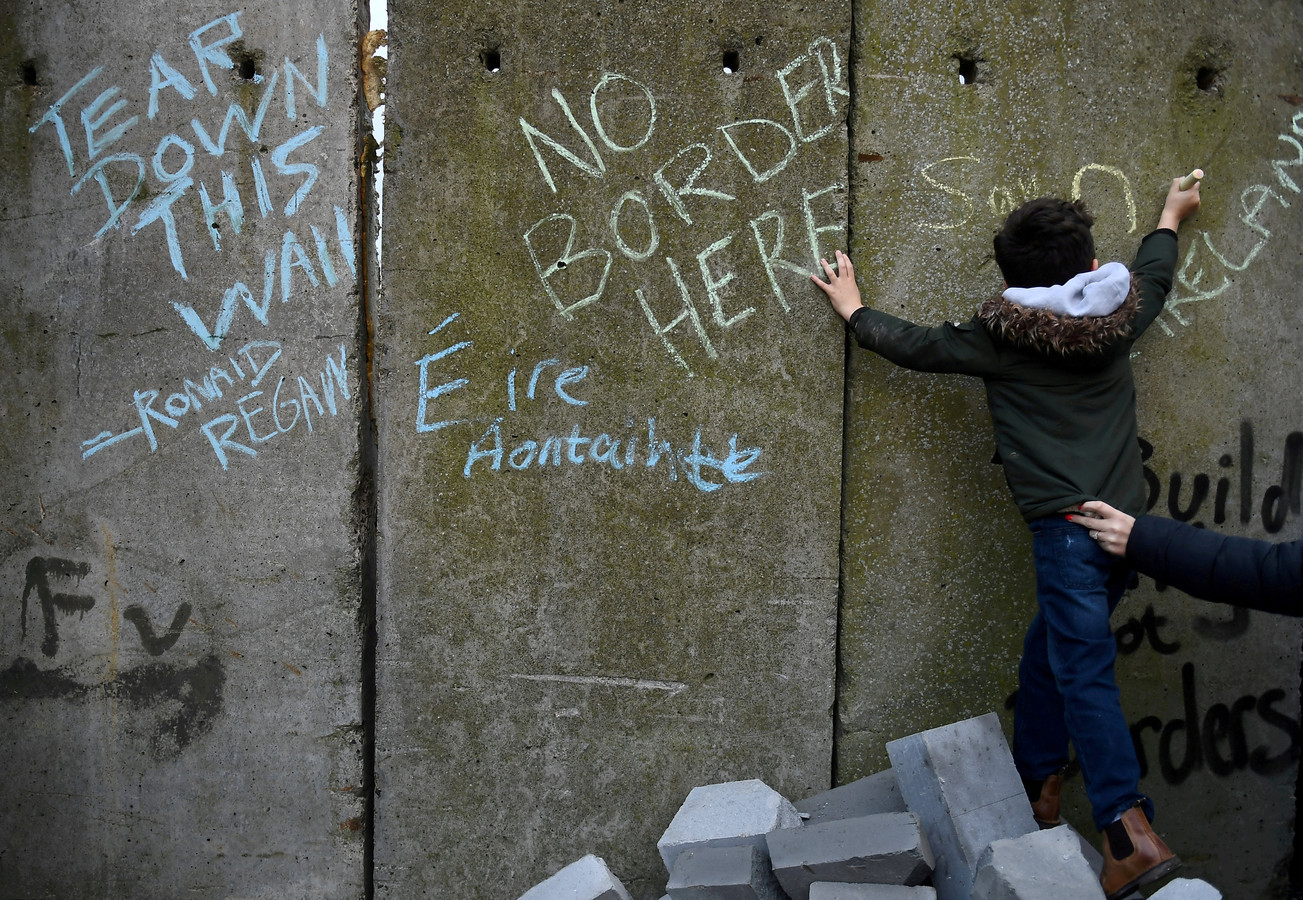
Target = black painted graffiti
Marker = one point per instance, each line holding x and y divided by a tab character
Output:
1278	500
186	699
1138	630
154	645
1277	503
1223	629
1219	739
1132	634
180	702
40	569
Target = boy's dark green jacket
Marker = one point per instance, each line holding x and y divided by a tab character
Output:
1059	388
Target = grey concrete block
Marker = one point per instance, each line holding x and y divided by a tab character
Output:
584	879
1035	865
888	848
1186	889
826	890
877	793
724	873
961	781
734	813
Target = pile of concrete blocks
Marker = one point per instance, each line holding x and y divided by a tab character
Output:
948	821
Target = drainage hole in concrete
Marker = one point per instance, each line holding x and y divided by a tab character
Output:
247	62
27	71
1208	78
967	69
732	62
492	59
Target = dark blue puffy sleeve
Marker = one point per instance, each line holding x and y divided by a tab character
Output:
1239	571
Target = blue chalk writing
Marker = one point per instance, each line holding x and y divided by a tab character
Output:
160	209
292	256
161	75
628	452
108	124
279	158
235	113
230	205
54	115
97	172
444	324
619	450
318	92
255	420
427	393
92	119
213	53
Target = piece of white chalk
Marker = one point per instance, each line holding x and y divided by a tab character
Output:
1189	181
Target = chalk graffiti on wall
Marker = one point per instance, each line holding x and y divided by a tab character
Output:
162	192
173	173
293	400
1254	199
630	448
573	270
1196	279
1003	199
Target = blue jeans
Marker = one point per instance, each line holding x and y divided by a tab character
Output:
1066	688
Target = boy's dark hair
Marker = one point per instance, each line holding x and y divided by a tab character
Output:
1045	242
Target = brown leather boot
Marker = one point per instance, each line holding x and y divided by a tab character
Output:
1045	808
1133	855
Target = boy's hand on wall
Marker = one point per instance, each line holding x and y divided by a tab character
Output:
842	291
1179	205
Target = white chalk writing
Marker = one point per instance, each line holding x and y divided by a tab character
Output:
1204	271
575	270
1196	280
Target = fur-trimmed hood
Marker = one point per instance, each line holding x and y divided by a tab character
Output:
1055	334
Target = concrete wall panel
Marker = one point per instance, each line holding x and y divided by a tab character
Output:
567	647
612	460
180	547
1107	101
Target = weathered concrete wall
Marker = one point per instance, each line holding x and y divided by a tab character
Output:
1109	101
569	643
180	650
610	458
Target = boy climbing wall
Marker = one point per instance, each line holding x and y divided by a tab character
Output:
1053	350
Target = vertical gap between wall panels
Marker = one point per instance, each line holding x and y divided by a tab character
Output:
374	58
851	68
